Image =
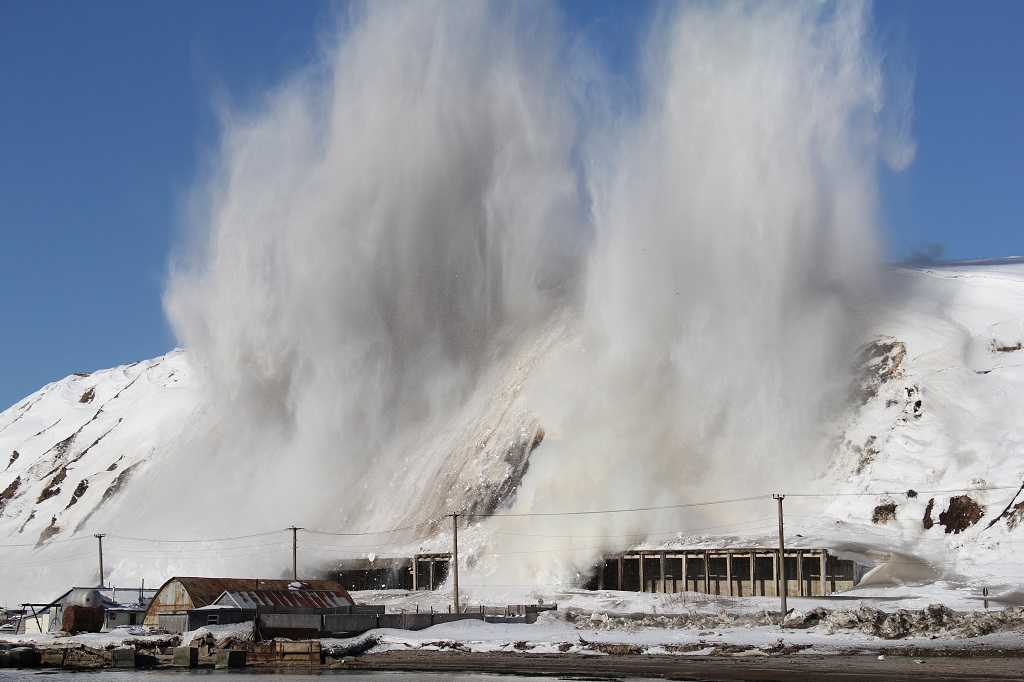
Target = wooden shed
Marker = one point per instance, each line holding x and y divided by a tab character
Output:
182	593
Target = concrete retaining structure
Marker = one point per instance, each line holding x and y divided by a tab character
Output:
231	658
185	657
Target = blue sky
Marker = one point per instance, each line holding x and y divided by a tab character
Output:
107	114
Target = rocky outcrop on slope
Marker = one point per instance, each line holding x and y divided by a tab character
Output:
940	391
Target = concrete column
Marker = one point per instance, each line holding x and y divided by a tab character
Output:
664	587
752	587
643	586
707	574
415	584
824	572
619	587
800	573
686	586
728	570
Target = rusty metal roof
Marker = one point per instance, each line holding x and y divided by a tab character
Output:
317	599
205	591
197	592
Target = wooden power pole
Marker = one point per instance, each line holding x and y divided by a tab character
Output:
295	552
782	559
99	537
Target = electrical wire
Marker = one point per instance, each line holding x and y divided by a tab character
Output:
175	553
237	537
50	542
354	552
217	556
76	557
325	548
634	535
371	532
360	548
620	511
904	492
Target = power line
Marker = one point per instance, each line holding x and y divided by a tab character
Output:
634	535
551	551
237	537
323	548
904	492
180	553
360	547
527	514
197	558
75	557
371	532
620	511
49	542
334	551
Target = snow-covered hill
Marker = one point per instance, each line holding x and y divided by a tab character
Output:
136	453
925	475
942	432
73	446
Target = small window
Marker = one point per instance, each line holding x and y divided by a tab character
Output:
212	619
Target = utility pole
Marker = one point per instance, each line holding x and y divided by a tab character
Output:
782	559
455	557
99	537
295	552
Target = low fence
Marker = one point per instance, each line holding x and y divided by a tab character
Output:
296	624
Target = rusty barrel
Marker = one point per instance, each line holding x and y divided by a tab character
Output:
82	619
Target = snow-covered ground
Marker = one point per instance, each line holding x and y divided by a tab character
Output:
599	623
924	481
685	624
551	636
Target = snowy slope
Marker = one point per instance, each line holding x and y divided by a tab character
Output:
134	451
74	444
926	481
70	450
937	416
947	419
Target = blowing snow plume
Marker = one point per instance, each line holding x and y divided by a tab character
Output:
379	234
395	290
734	224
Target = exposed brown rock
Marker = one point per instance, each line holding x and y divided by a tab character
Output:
927	521
52	488
1015	516
962	513
9	492
79	491
878	363
884	513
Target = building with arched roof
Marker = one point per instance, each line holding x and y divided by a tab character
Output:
183	593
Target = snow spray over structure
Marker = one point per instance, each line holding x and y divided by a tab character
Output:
734	229
386	243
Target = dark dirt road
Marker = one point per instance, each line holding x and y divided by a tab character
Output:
800	667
